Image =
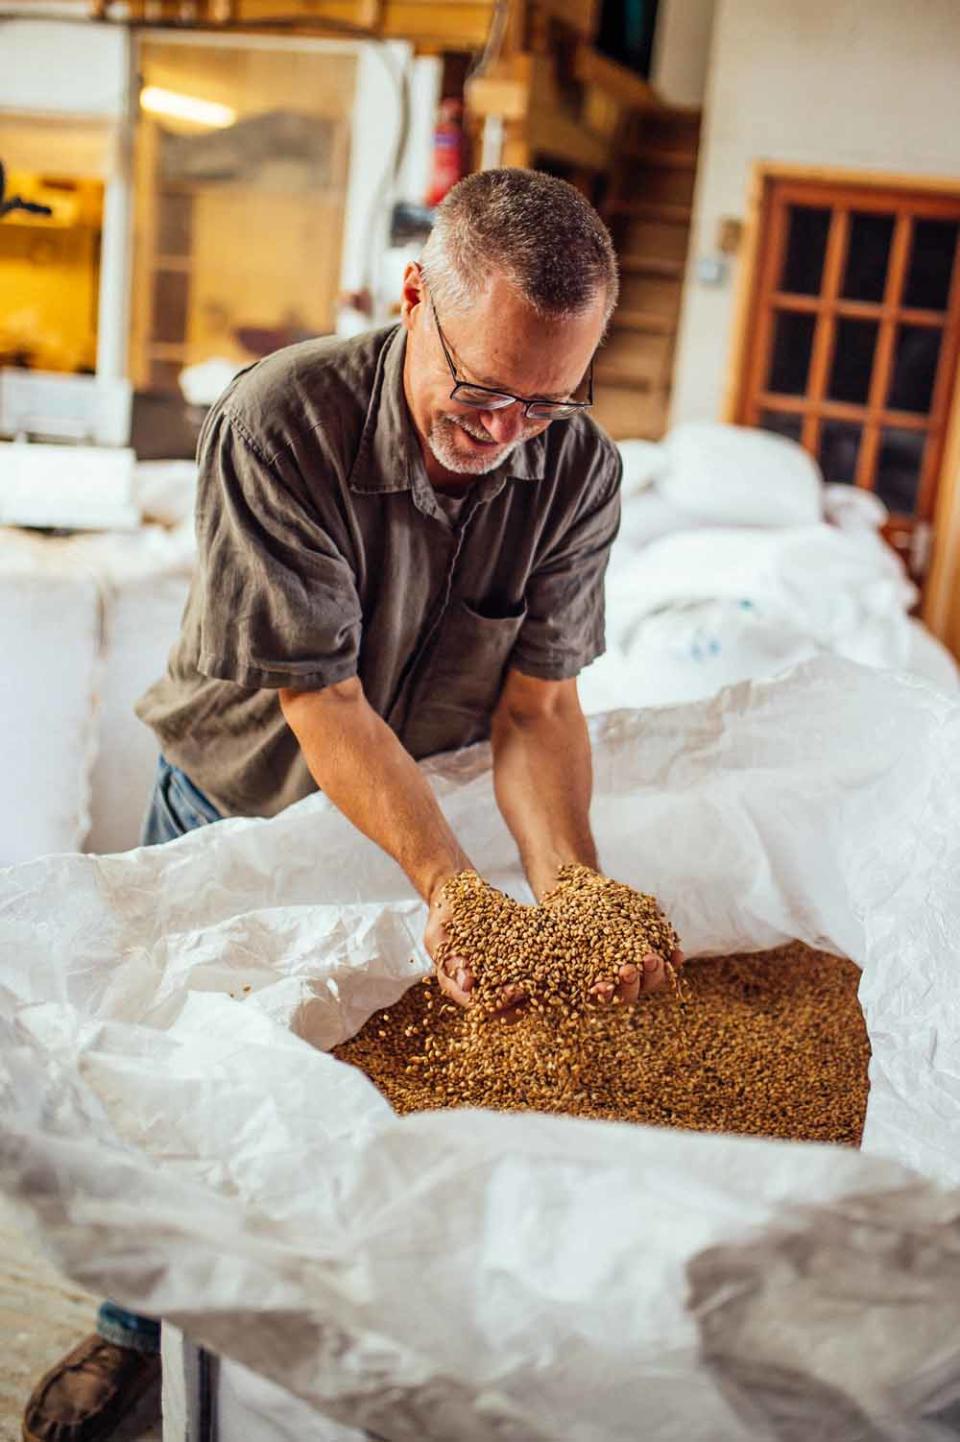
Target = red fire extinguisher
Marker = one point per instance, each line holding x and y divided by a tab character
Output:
449	151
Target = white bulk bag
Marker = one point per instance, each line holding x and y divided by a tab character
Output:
142	621
86	625
701	609
480	1276
142	581
737	476
50	623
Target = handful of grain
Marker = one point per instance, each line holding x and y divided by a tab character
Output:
580	935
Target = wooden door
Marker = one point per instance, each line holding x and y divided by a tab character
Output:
853	331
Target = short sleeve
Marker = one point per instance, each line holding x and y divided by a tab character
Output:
278	601
564	626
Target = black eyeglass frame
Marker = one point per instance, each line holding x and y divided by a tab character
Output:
552	410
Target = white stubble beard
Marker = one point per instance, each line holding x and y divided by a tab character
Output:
440	441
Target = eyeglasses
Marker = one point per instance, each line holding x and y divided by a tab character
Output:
485	398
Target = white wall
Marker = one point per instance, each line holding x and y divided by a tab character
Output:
855	84
377	114
56	66
681	50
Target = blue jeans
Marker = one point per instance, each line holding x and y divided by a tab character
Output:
176	807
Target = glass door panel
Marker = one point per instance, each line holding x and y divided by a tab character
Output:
806	247
871	237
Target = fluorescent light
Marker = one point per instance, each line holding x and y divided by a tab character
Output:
185	107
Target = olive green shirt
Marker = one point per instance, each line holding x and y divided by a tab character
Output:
323	554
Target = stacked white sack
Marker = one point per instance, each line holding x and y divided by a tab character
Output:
735	563
49	649
86	624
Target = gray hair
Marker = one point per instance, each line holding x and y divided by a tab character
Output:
537	231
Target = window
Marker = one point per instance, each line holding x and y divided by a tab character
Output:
241	173
853	336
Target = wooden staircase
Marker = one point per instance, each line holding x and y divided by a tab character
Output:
648	209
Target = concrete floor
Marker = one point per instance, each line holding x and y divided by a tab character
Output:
42	1315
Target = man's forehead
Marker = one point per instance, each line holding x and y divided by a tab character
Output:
494	354
497	383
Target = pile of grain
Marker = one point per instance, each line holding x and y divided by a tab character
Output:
771	1044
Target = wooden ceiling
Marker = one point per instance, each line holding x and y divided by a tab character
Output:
427	24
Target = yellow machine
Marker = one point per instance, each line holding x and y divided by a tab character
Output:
49	274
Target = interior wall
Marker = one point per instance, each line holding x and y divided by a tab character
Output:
376	122
681	50
61	66
851	84
370	262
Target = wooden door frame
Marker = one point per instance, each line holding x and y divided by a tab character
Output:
941	603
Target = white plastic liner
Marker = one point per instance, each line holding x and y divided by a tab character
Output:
480	1276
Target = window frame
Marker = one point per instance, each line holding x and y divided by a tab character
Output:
774	190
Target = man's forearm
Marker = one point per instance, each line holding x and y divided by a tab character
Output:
543	777
359	763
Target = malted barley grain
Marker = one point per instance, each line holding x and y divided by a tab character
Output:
771	1044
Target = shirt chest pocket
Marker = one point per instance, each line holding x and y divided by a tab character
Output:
455	693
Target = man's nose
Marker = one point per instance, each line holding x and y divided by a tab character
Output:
505	425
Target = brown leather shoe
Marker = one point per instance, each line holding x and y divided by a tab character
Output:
90	1392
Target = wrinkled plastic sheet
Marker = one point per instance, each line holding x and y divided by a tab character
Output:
184	1144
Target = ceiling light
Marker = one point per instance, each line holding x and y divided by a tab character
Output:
185	107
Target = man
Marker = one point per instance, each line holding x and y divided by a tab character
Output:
402	544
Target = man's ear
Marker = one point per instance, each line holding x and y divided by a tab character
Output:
412	294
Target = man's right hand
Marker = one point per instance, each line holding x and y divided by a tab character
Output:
455	974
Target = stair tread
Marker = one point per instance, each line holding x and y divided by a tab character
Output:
657	265
683	115
629	378
662	157
670	212
648	321
639	433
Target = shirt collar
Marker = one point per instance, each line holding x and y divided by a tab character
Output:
389	457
